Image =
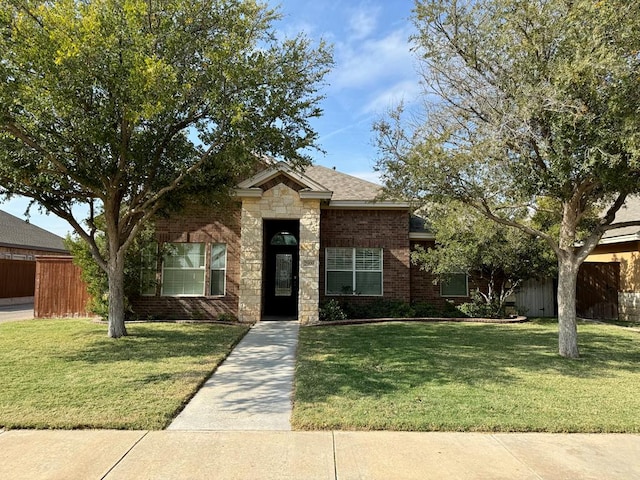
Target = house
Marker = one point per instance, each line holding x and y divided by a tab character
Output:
291	240
622	246
20	242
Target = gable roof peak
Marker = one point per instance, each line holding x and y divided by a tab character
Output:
282	168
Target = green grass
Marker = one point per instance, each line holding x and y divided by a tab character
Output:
68	374
466	377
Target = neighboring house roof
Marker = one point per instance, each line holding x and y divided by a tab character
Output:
630	211
15	232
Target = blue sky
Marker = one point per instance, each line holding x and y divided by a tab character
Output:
374	70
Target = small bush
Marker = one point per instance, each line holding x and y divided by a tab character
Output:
227	317
331	311
379	308
428	310
478	308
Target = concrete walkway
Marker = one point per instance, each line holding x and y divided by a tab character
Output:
252	389
135	455
12	313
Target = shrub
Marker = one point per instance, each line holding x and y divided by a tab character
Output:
379	308
331	311
96	278
227	317
479	308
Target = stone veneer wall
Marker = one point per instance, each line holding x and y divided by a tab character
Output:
279	203
629	306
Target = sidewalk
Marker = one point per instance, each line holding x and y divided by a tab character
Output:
116	455
252	389
237	427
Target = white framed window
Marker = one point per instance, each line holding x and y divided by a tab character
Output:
455	285
183	269
353	271
148	266
218	269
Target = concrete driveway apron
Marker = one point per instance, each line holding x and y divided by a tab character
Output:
12	313
252	389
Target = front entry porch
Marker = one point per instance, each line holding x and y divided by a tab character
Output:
279	280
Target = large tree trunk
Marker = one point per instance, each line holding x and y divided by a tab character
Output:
568	331
117	328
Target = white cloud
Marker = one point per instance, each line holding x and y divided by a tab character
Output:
345	128
363	22
369	176
365	63
404	91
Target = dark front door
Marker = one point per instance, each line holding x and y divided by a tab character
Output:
281	257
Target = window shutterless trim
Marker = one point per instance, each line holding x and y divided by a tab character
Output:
198	269
466	285
223	269
353	271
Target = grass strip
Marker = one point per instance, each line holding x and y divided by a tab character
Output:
66	373
466	377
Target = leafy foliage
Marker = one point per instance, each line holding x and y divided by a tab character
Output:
389	308
470	243
530	110
331	311
128	107
96	279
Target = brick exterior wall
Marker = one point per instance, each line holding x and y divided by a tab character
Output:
198	224
9	252
423	289
386	229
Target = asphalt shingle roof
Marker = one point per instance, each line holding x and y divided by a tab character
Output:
630	211
343	186
16	232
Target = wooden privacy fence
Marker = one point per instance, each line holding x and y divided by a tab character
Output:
597	290
17	278
59	289
596	293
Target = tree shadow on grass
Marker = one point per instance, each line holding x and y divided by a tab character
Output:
384	358
158	341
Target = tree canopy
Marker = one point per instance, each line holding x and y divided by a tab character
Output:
470	243
531	108
125	106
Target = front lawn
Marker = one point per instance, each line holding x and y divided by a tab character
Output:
68	374
466	377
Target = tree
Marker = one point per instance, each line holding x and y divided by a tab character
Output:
96	279
529	105
127	106
471	243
